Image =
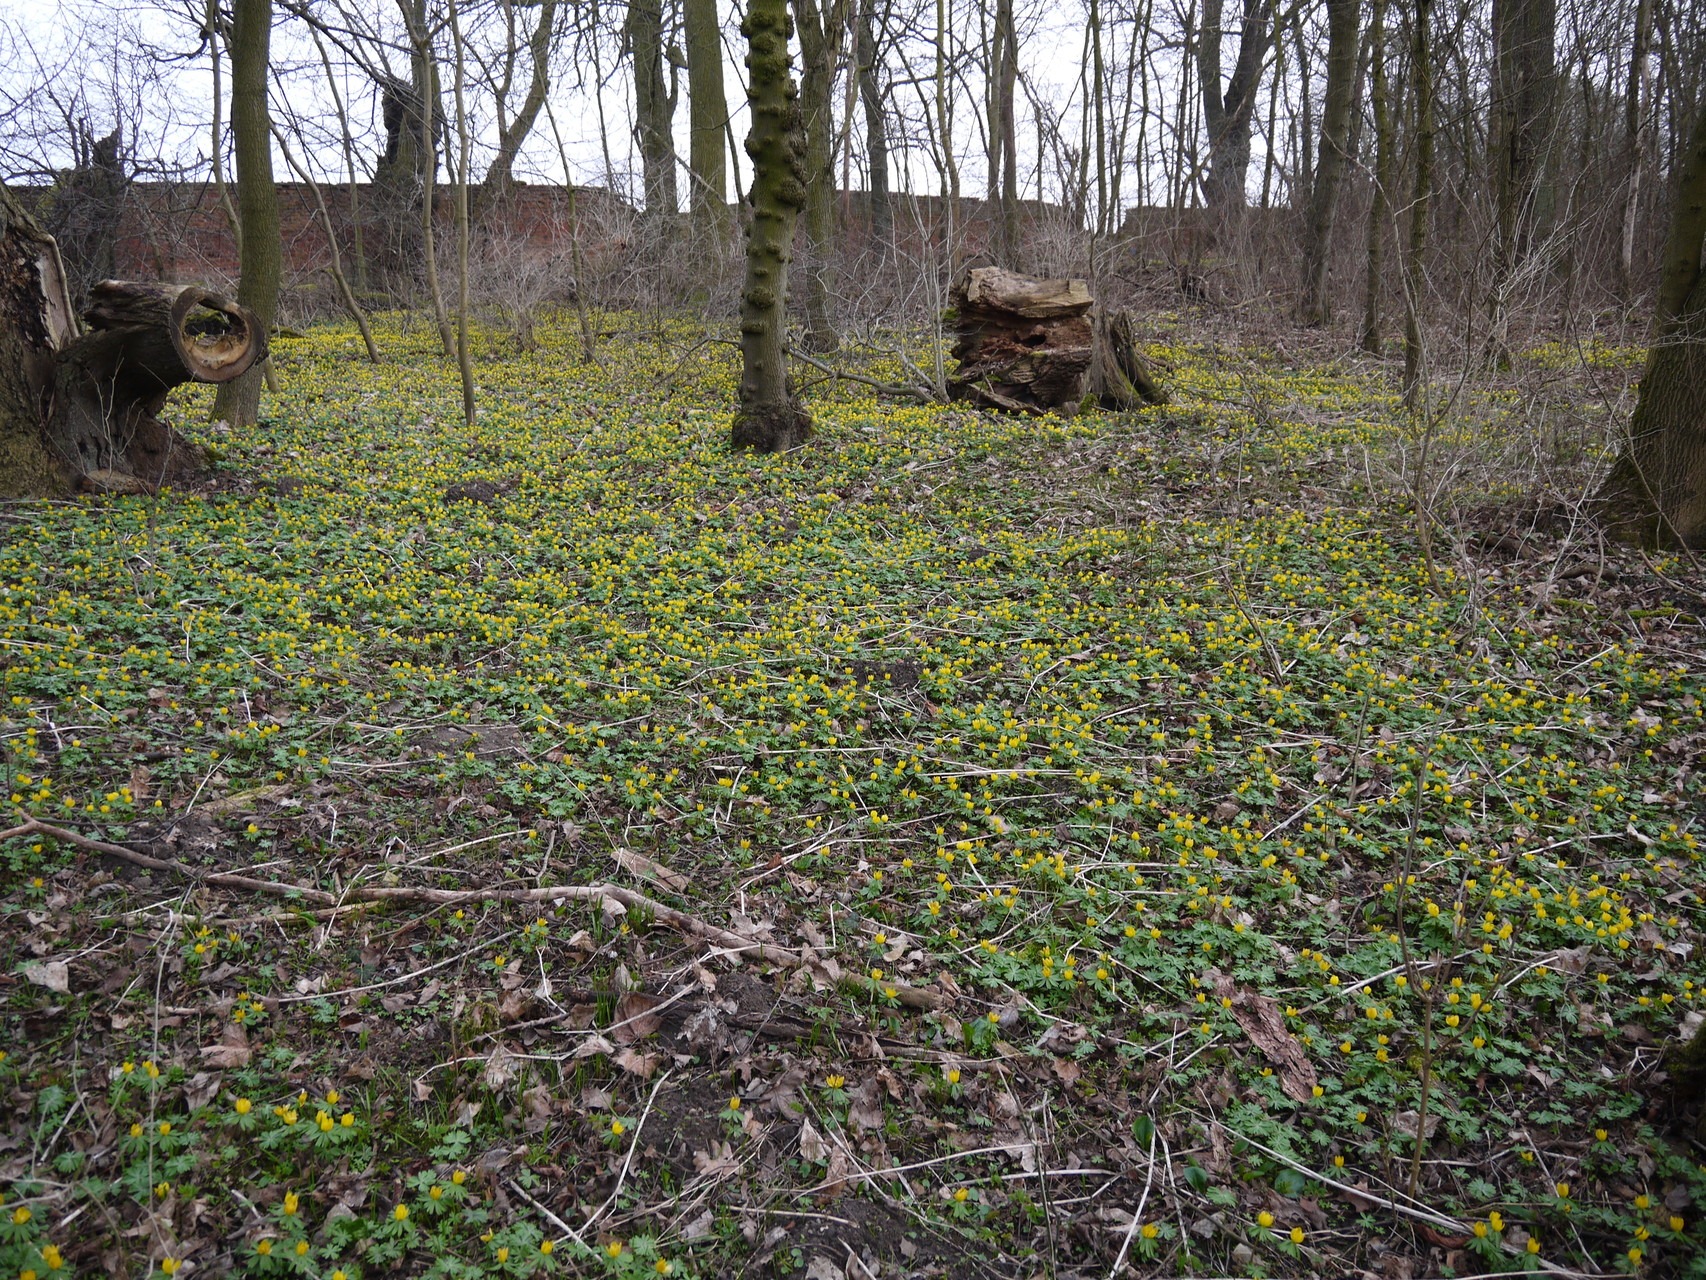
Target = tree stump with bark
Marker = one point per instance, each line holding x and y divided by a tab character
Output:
79	404
1038	346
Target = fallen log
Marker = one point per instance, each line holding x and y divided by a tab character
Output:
1038	346
79	403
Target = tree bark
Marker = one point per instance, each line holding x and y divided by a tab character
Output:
81	406
1033	346
35	321
1524	37
1004	136
1421	195
1634	146
708	113
820	29
1655	494
500	174
769	417
1228	110
1333	156
654	113
876	131
1380	204
238	401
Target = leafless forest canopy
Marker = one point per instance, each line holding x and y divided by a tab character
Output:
1468	166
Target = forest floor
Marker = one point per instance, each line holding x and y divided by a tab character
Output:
1121	843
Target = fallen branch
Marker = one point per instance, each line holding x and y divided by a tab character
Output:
691	926
922	394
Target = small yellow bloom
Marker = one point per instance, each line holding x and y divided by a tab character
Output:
459	1177
614	1248
1297	1235
1264	1219
401	1212
547	1247
503	1254
243	1106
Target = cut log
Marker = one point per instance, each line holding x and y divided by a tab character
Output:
1038	346
79	407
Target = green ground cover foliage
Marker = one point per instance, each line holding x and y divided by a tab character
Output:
1295	899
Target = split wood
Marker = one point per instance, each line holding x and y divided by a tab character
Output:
691	926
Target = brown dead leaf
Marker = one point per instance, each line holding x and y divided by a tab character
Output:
634	1017
643	868
593	1045
1263	1021
200	1089
644	1065
536	1104
865	1112
812	1145
232	1051
835	1177
55	975
500	1069
719	1160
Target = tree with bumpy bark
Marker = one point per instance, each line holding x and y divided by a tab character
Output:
1656	492
770	418
261	254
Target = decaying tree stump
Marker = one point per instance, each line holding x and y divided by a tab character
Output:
1035	346
78	406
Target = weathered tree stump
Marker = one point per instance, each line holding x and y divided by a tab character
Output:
78	406
1040	346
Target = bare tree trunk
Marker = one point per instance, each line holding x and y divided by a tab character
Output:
1003	134
80	406
821	31
500	174
239	401
335	264
1524	35
1421	195
1656	492
1334	155
770	418
1229	110
1635	96
1380	204
708	113
876	131
654	113
464	359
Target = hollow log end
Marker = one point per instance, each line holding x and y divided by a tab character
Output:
217	339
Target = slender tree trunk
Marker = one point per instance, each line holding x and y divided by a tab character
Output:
1635	97
1334	155
238	402
876	131
654	113
464	358
770	418
1003	135
500	174
589	338
1421	196
1380	202
1656	492
1229	110
335	263
215	34
820	49
950	164
1524	36
708	113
